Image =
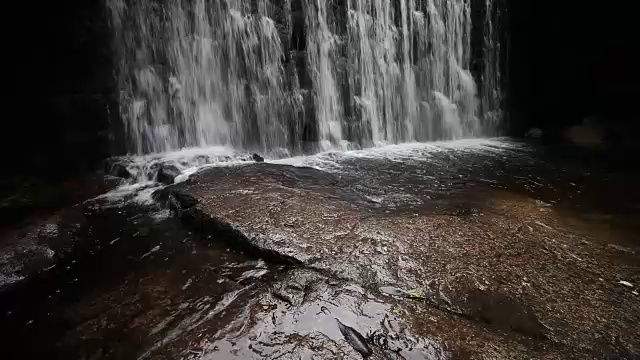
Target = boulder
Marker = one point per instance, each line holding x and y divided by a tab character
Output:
584	136
118	170
535	133
257	158
167	174
467	265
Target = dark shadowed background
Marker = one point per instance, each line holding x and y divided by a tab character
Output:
570	60
57	116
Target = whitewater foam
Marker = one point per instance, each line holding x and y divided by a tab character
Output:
140	187
330	160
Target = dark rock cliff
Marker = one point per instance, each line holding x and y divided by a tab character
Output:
57	114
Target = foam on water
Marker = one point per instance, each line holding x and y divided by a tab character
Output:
138	193
140	187
330	160
145	167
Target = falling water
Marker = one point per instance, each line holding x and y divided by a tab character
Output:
492	78
282	74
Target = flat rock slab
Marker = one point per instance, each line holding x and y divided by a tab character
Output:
514	265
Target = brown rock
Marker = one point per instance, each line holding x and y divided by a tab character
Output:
497	266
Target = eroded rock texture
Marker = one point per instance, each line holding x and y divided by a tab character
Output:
507	266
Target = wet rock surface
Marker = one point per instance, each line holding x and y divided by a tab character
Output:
36	246
507	261
118	170
38	223
448	255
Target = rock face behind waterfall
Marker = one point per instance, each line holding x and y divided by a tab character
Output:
284	74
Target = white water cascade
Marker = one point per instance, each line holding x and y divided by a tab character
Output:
283	74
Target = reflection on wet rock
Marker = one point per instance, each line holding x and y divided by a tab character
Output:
315	325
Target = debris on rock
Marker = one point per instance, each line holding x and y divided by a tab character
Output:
416	294
355	339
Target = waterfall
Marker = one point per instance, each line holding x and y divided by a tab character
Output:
283	74
492	76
